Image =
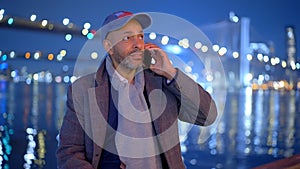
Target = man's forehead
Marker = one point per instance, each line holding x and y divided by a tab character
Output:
129	29
132	25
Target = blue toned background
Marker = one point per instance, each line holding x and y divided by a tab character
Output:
259	123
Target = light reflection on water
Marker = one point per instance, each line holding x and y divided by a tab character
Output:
256	127
30	118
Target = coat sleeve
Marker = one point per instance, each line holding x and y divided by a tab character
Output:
196	105
71	147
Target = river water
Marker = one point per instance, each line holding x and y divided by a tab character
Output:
256	127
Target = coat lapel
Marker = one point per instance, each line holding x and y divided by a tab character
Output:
99	107
155	95
166	125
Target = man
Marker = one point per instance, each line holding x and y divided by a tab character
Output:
125	115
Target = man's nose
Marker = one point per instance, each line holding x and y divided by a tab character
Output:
137	42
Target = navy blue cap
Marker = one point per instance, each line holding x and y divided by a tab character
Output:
118	19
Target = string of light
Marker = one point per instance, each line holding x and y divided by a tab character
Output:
69	29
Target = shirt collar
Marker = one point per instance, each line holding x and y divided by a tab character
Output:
117	79
112	71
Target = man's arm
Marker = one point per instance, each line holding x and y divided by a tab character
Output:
196	104
71	148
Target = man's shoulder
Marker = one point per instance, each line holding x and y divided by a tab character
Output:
85	81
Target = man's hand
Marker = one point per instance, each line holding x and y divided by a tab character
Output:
162	64
122	166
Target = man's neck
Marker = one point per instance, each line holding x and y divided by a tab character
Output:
128	74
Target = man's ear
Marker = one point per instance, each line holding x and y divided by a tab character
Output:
107	46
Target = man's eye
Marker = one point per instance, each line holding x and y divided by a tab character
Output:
126	38
141	37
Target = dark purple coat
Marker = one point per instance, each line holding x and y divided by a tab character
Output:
85	123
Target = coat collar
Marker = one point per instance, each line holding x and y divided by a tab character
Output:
100	106
152	82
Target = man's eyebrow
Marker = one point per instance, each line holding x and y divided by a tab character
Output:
130	32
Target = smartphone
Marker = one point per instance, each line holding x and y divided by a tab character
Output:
147	58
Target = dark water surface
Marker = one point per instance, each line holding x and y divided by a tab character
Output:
257	127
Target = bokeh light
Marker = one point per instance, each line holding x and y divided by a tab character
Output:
44	23
50	56
10	21
27	55
66	21
68	37
33	17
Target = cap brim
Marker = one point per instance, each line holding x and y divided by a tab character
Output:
143	18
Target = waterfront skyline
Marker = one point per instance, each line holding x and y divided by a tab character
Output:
268	19
55	52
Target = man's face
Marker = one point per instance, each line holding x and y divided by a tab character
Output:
127	45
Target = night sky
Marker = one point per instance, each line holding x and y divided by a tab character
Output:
268	19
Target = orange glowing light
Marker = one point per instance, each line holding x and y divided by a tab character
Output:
27	55
50	56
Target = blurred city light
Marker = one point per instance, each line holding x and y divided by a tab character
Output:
152	35
10	21
165	40
33	17
258	50
66	21
173	49
198	45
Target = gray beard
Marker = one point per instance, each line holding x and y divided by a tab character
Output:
128	65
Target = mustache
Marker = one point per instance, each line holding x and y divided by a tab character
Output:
135	51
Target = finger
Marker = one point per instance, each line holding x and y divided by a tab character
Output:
150	45
156	53
122	166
